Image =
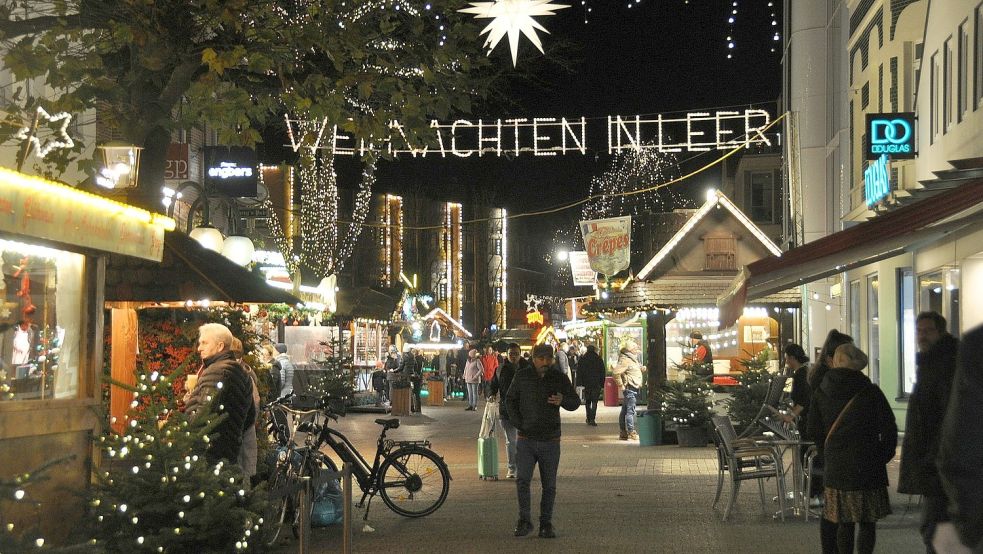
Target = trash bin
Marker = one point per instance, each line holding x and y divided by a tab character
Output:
610	392
649	427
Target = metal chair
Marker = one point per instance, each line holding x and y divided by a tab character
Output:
776	388
811	469
744	460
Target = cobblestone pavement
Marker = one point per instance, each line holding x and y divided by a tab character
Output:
612	496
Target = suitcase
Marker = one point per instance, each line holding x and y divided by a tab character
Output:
488	458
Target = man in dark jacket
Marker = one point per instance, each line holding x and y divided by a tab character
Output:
533	401
224	387
961	452
936	365
500	384
590	375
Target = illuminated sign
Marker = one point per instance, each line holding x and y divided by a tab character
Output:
548	136
877	181
892	134
231	170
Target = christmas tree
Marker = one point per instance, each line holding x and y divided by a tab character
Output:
156	492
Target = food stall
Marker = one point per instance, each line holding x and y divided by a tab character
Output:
54	240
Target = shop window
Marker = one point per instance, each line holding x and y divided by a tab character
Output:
978	56
906	329
40	322
873	329
760	196
930	293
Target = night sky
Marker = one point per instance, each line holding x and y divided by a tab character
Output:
660	56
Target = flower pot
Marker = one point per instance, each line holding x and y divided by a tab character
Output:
692	436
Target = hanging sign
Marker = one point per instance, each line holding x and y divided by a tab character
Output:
176	168
877	181
608	243
231	170
35	207
583	275
892	134
548	136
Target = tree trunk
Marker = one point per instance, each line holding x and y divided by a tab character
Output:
153	160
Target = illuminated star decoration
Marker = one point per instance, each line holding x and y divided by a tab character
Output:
532	303
513	17
64	141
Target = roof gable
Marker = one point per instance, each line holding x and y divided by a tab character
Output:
664	260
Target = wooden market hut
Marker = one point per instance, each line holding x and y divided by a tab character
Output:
54	244
188	275
687	275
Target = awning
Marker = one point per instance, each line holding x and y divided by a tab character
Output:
187	272
902	230
367	303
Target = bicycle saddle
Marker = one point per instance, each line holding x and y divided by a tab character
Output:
392	423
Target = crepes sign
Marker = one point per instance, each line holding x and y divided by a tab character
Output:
608	243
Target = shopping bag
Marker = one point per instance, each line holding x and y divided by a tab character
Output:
489	420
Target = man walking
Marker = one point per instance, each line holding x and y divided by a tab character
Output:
500	387
936	369
590	371
533	402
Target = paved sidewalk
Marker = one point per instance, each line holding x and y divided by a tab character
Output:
612	496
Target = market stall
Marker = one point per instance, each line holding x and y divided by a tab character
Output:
53	250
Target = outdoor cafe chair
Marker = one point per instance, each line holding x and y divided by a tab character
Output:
745	460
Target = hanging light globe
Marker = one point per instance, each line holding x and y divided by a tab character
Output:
209	237
239	249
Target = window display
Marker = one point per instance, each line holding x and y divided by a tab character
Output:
40	321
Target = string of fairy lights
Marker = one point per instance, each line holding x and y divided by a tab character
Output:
734	15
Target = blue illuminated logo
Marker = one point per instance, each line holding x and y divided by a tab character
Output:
877	181
892	134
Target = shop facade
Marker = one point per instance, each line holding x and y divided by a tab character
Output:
54	240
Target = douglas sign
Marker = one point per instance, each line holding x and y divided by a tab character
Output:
892	134
608	243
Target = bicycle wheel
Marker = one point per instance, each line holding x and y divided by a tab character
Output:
413	482
279	510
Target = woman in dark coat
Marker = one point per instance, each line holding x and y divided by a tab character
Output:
853	426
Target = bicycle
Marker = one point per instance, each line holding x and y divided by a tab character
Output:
412	479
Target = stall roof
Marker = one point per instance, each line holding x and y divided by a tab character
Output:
187	271
459	329
680	292
902	230
368	303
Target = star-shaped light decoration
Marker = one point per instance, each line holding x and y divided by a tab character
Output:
532	303
513	17
62	141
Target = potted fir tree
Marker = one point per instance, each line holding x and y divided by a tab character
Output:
686	407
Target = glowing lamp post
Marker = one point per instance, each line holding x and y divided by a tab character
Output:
209	237
239	249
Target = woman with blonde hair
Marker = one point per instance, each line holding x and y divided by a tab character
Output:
853	427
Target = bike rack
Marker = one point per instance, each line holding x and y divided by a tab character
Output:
346	519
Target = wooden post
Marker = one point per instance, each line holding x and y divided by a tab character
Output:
655	332
123	363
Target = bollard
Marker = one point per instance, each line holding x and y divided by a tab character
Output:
346	517
305	516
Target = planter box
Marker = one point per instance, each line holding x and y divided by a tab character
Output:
401	402
692	436
436	390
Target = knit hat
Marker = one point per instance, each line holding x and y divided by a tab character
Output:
281	348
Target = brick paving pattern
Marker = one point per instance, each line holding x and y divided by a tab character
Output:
612	496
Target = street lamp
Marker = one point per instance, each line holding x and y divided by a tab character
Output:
562	254
121	166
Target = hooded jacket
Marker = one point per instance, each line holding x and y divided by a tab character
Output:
501	382
527	405
225	388
923	424
286	370
858	451
627	372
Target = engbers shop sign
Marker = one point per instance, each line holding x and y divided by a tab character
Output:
608	243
